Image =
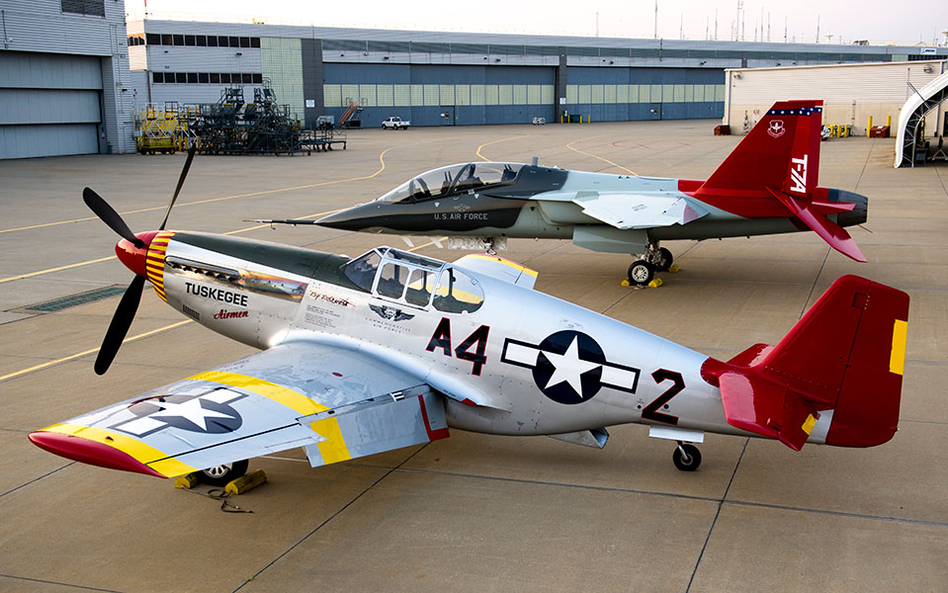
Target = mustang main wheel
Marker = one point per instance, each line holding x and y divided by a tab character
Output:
220	475
664	259
641	272
687	457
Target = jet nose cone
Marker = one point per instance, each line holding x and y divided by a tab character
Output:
351	219
133	257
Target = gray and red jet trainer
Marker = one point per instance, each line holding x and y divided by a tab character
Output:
390	349
767	185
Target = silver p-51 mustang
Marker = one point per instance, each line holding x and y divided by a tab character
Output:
390	349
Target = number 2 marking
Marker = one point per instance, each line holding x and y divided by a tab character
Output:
650	412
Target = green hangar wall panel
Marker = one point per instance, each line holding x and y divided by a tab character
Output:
433	95
436	95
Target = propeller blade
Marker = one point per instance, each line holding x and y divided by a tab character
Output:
121	321
177	190
109	216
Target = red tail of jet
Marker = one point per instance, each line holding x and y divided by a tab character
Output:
845	355
774	172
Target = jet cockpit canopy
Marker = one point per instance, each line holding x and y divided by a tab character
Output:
453	180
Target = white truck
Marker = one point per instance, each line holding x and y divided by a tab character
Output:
396	123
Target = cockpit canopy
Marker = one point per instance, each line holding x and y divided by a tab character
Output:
452	180
412	279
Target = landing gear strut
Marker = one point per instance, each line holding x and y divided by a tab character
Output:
655	259
687	457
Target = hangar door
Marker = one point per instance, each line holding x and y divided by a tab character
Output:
49	104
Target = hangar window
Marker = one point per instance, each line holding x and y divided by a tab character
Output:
254	42
245	42
203	78
166	39
201	40
248	79
181	77
233	41
153	38
212	40
192	77
235	78
257	78
84	7
157	77
225	78
215	78
189	40
178	39
222	41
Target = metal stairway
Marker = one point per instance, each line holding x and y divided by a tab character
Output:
913	114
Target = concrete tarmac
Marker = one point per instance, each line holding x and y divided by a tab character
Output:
472	512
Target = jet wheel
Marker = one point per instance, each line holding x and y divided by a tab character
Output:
663	259
221	475
687	457
641	272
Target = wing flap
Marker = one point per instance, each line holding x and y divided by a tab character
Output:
637	211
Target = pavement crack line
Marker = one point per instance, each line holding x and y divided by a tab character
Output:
48	582
717	514
330	518
37	479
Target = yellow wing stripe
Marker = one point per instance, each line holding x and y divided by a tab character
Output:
506	262
899	340
333	449
282	395
154	458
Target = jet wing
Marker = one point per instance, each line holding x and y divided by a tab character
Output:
638	211
338	404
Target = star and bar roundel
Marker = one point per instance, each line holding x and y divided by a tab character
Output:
569	366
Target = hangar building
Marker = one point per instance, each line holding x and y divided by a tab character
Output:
852	93
437	78
64	78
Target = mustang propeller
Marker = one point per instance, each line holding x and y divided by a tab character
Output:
132	251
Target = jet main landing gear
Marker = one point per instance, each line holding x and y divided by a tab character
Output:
655	259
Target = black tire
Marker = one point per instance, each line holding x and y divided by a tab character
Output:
694	458
221	475
641	272
664	260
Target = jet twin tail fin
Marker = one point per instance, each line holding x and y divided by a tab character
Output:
774	171
846	355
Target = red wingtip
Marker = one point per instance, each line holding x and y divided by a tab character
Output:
88	451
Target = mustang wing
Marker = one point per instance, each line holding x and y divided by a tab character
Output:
338	404
638	211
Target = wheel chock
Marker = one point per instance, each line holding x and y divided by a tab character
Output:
655	283
674	268
187	482
625	283
246	483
